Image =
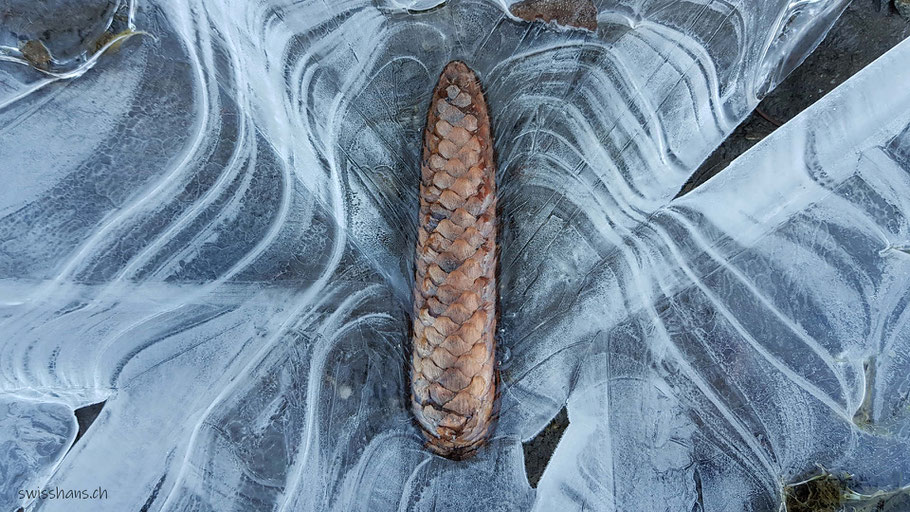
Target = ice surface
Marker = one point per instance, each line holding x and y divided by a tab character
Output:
34	436
211	229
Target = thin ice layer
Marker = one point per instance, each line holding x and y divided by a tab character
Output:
34	437
766	329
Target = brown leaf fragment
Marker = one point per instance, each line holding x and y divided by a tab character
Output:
568	13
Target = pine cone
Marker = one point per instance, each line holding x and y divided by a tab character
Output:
453	378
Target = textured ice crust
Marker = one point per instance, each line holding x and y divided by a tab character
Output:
211	230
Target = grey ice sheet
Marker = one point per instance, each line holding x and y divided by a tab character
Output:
211	229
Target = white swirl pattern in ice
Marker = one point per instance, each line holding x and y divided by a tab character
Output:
211	230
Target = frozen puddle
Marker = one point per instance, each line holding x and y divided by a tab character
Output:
209	229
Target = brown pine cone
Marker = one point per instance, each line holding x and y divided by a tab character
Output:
453	378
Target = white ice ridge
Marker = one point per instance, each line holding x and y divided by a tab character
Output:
211	230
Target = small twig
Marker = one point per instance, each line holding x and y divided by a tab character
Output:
768	118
